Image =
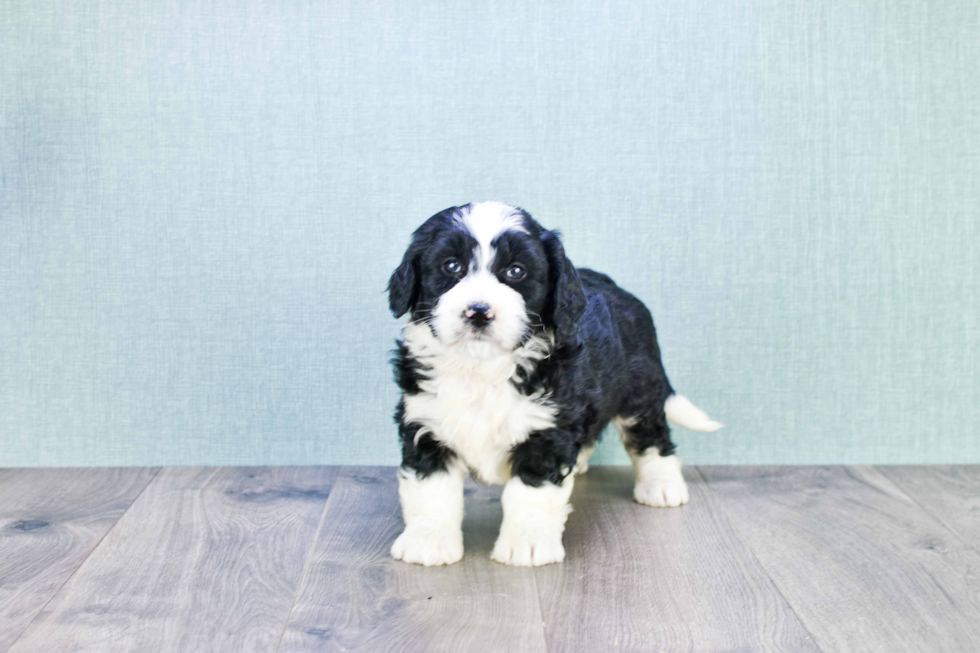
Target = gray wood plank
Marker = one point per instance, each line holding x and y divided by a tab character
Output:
355	597
637	578
204	560
861	564
50	520
950	493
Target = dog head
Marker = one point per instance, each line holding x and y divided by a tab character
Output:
486	276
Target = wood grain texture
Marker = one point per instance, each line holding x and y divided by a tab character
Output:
950	493
205	560
637	578
356	597
50	520
864	567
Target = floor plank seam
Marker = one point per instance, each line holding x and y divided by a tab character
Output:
755	556
55	594
544	624
309	557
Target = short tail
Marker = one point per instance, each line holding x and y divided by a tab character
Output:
682	412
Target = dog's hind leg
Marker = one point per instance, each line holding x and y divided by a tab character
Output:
584	454
659	481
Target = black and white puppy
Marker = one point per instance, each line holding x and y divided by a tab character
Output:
511	364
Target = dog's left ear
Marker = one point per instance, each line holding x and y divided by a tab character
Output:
566	297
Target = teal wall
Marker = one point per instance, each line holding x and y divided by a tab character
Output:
201	201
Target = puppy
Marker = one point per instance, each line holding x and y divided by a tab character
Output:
510	366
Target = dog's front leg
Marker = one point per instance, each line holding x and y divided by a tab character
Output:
432	507
534	520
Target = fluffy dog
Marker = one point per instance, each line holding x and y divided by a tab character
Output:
511	364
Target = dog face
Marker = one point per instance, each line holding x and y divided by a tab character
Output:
486	277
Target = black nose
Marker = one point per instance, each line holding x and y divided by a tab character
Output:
479	315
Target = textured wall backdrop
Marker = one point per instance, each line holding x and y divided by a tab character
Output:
201	201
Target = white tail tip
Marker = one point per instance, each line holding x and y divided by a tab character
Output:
682	412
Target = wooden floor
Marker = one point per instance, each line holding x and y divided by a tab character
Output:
296	559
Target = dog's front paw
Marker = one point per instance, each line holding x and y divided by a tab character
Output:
661	493
528	549
429	546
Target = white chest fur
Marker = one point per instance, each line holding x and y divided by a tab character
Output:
469	403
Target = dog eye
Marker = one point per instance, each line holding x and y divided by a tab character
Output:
515	273
452	266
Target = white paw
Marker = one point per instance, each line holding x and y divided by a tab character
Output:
429	546
528	549
582	464
661	493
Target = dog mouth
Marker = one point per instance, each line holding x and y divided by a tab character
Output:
483	337
481	326
477	334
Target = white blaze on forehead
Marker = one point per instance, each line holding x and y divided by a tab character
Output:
484	221
487	220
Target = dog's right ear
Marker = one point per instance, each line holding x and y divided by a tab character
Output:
406	281
403	286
